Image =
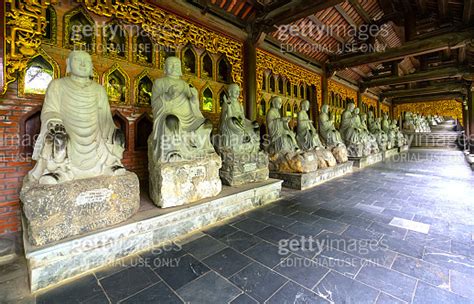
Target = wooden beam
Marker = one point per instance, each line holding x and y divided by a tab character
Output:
449	72
436	89
468	13
206	7
344	15
434	97
411	48
360	10
295	10
325	28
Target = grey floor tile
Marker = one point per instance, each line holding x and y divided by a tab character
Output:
422	270
294	293
127	282
267	254
341	289
402	246
186	270
244	299
301	270
250	225
303	229
389	281
388	299
449	260
209	288
240	240
158	293
340	261
221	231
258	281
330	225
274	235
227	262
426	293
388	230
462	284
203	247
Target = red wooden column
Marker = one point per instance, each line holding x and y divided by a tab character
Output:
250	78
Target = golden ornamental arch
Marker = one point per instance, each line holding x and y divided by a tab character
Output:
342	90
292	72
25	22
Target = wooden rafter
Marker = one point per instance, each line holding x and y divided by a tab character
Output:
433	89
434	97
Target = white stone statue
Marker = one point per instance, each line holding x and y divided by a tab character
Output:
331	135
180	131
400	138
182	162
360	123
78	137
380	135
351	132
308	138
237	132
282	138
391	135
408	122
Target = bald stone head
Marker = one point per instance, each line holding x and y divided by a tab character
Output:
173	66
79	63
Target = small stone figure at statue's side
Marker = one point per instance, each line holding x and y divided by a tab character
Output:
78	183
281	144
308	139
238	143
331	135
182	162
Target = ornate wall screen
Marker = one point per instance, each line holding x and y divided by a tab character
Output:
451	108
26	21
293	73
342	90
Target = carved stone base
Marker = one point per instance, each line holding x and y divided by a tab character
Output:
178	183
302	181
149	228
362	162
297	162
390	153
340	153
55	212
239	169
403	148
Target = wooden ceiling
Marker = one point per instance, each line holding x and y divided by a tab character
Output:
414	45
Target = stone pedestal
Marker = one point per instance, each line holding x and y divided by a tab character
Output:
242	168
178	183
361	162
403	148
302	181
55	212
390	153
150	227
294	162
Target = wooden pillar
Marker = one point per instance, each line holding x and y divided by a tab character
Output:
325	87
313	101
378	108
250	79
359	99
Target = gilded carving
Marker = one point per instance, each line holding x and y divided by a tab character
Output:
117	84
452	108
283	68
342	90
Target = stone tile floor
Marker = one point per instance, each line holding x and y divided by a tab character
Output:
355	239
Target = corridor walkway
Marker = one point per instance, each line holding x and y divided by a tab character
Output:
397	232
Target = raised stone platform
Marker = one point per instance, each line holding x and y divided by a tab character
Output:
403	148
362	162
302	181
242	168
390	153
151	226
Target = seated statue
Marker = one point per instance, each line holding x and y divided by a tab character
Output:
386	127
78	183
78	137
238	144
180	131
360	123
408	122
281	144
282	138
380	135
350	128
400	139
308	138
182	162
237	132
331	135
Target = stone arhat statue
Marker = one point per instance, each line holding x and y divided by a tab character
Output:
237	132
282	138
331	135
78	137
180	131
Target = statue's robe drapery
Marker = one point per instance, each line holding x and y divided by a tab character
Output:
328	131
282	139
185	107
307	136
85	113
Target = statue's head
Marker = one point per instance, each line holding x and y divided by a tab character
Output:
79	63
394	122
173	66
305	105
234	90
371	114
325	108
351	106
356	111
276	102
363	117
